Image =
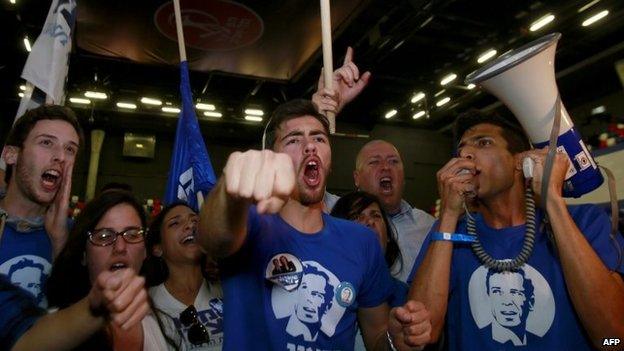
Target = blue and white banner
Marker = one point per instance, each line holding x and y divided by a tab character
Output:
191	175
47	64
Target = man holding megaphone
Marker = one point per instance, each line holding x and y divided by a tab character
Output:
502	277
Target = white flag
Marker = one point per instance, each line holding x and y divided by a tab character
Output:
47	64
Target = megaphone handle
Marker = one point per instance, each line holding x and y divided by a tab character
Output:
552	150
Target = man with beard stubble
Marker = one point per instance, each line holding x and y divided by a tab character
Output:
269	203
40	152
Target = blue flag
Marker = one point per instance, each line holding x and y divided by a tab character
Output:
191	176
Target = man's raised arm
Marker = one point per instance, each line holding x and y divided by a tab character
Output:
262	177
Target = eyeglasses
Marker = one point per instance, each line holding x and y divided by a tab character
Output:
197	333
107	236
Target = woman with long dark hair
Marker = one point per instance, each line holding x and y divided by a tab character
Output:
108	235
364	208
189	305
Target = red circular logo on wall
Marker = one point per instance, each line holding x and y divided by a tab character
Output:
211	24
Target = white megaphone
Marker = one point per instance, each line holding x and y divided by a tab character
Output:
524	80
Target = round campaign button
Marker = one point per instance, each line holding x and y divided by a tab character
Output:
345	294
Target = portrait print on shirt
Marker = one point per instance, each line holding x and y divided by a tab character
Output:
28	272
311	309
517	306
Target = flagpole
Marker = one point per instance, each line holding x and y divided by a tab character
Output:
328	67
182	49
179	29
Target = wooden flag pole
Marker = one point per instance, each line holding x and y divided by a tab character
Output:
328	67
179	29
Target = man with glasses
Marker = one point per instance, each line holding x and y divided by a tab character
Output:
40	152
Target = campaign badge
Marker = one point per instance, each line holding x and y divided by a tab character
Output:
345	294
284	270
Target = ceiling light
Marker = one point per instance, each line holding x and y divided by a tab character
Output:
470	86
27	44
417	97
598	110
391	113
127	105
150	101
440	92
12	1
22	87
443	101
541	22
253	118
595	18
205	107
169	109
254	112
449	78
419	114
588	5
20	95
96	95
486	56
213	114
80	101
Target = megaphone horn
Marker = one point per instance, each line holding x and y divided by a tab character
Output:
524	80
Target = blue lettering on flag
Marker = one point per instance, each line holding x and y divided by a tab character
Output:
190	172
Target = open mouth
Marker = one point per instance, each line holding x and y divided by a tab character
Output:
385	184
50	179
187	240
311	173
117	266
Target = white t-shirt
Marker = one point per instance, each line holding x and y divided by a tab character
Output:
153	339
209	306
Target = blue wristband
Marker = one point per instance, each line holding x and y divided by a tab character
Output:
454	237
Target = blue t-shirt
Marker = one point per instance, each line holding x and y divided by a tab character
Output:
26	259
286	290
530	308
18	312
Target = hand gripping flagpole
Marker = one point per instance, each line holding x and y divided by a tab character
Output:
328	68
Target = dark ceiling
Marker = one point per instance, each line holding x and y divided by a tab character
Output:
408	45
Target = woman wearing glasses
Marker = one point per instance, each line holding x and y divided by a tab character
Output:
109	235
189	306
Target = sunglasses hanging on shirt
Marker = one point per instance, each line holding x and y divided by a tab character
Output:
196	333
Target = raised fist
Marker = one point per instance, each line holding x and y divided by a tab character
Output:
262	177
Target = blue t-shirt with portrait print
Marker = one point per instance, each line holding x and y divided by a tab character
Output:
18	313
529	308
26	256
329	274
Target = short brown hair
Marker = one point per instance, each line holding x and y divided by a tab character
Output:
23	125
517	140
291	110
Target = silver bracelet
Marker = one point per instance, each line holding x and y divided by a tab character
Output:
390	343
